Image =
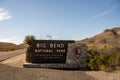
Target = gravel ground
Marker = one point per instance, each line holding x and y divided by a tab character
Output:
12	69
10	54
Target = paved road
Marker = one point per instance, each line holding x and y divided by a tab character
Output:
10	54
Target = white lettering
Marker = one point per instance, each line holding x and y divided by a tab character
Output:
43	50
62	45
51	45
41	45
57	45
61	50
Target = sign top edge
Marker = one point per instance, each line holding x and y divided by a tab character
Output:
70	41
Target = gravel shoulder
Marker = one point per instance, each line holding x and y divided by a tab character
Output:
12	69
10	54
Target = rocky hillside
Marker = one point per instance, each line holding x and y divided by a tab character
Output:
10	46
109	37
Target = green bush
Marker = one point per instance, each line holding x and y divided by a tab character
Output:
102	61
28	39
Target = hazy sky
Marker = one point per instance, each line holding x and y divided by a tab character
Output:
62	19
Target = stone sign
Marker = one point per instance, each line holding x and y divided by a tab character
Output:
56	54
48	51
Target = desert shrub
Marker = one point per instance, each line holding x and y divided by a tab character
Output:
28	39
99	60
11	49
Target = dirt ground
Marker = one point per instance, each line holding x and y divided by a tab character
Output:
12	69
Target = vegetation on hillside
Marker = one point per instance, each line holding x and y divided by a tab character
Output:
104	59
10	46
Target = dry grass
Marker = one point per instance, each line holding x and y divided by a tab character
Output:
10	46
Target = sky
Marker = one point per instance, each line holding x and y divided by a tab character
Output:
61	19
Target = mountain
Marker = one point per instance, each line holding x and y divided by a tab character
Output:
4	46
109	38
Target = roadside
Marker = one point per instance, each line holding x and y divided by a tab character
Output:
10	54
16	61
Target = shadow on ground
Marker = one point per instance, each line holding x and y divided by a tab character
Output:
14	73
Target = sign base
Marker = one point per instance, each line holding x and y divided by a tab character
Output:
52	66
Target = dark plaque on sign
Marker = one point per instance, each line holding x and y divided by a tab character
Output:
78	52
48	51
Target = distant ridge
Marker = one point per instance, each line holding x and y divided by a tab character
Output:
5	46
109	37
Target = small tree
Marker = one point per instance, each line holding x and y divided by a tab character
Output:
28	39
